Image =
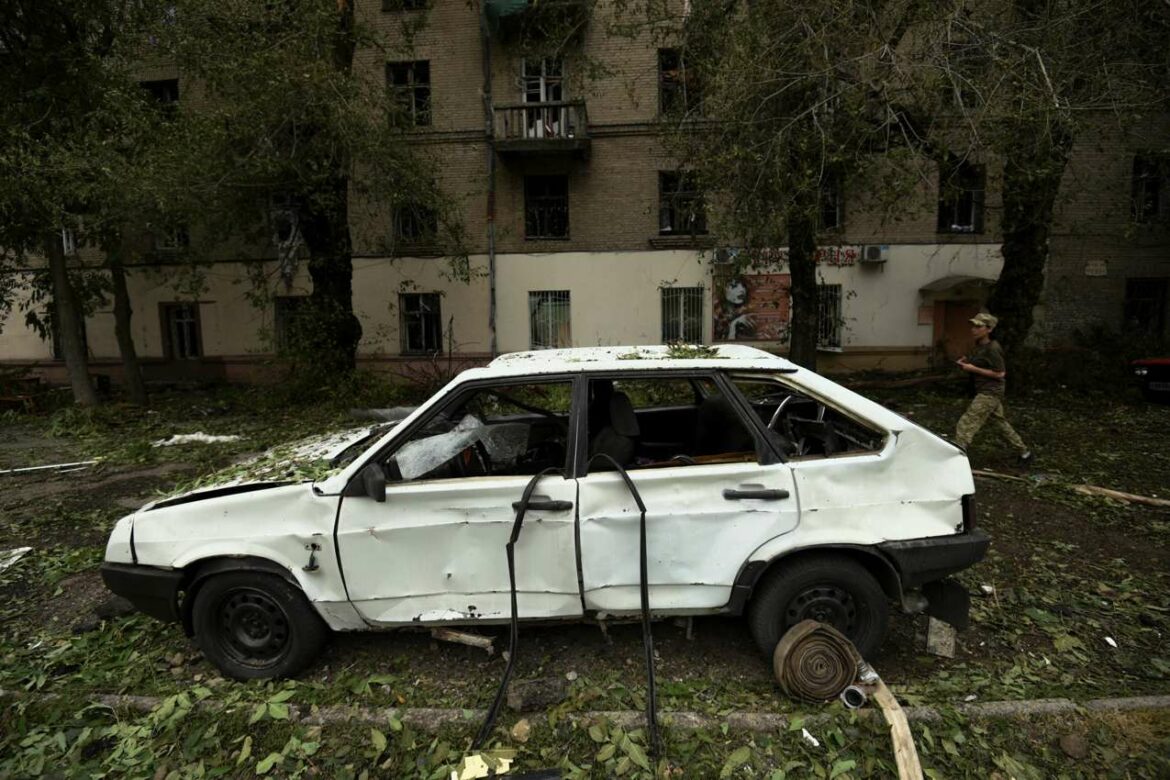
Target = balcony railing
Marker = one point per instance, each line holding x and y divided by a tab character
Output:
555	127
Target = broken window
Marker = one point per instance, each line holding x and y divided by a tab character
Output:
410	88
802	426
961	188
181	331
420	323
665	422
1150	202
829	319
1145	307
678	89
832	211
549	319
680	205
504	430
682	315
546	207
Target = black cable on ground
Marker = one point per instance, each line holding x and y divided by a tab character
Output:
647	636
514	631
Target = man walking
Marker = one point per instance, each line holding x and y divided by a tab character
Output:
986	365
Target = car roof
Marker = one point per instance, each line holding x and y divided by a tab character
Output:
632	358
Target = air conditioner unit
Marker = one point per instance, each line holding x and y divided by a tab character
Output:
875	254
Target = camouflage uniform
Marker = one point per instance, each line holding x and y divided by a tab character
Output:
988	401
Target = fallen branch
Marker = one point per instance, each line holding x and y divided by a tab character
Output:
52	466
1117	495
997	475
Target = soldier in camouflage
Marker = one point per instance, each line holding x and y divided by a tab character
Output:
986	365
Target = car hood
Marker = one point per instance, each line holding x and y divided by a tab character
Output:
310	459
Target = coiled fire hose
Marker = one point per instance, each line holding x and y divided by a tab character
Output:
815	662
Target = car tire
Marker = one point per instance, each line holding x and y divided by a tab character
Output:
256	625
833	589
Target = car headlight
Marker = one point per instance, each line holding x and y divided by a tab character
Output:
1141	371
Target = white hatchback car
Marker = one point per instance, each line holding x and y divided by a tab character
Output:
770	491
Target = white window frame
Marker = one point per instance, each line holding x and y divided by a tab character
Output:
676	303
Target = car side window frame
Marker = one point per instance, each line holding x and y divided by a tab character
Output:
460	396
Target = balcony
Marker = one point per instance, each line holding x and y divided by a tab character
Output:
554	128
513	21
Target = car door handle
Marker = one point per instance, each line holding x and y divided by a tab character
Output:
545	505
766	495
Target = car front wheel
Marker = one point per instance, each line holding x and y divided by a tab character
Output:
256	625
831	589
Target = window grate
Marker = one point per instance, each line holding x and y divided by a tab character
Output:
546	207
829	316
181	328
549	318
421	323
682	315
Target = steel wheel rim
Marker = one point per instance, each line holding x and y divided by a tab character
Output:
829	604
253	629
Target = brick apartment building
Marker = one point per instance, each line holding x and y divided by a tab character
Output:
600	239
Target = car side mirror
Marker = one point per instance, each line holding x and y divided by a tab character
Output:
374	481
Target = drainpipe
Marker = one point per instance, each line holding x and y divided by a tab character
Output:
489	132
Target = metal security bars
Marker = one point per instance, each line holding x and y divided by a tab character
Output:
829	316
682	315
549	318
421	323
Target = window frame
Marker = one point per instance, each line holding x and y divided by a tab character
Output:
955	193
829	332
678	91
414	95
1149	199
165	309
681	294
567	300
832	200
539	208
422	218
680	200
433	328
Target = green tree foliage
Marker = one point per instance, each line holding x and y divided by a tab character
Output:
290	114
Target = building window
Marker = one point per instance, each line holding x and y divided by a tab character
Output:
829	316
415	223
286	309
165	91
68	241
960	200
420	323
832	212
682	315
680	205
1145	307
410	88
181	332
678	89
548	315
546	206
172	239
1150	202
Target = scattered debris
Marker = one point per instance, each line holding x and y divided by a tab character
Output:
570	676
522	730
491	763
1117	495
940	638
809	738
10	557
1074	746
464	638
970	697
76	466
194	438
987	590
539	694
1111	641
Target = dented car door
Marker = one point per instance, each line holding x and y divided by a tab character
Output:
434	551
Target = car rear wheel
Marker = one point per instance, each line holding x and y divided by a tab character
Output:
256	625
831	589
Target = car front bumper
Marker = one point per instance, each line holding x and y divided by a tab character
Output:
153	591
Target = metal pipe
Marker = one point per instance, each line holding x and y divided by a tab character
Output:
853	697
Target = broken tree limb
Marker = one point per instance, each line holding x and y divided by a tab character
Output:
997	475
1117	495
905	754
464	638
51	466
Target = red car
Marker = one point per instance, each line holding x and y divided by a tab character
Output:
1153	376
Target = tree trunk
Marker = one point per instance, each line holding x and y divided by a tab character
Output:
1031	183
67	321
333	330
131	370
802	265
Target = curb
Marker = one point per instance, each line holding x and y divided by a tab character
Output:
432	719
